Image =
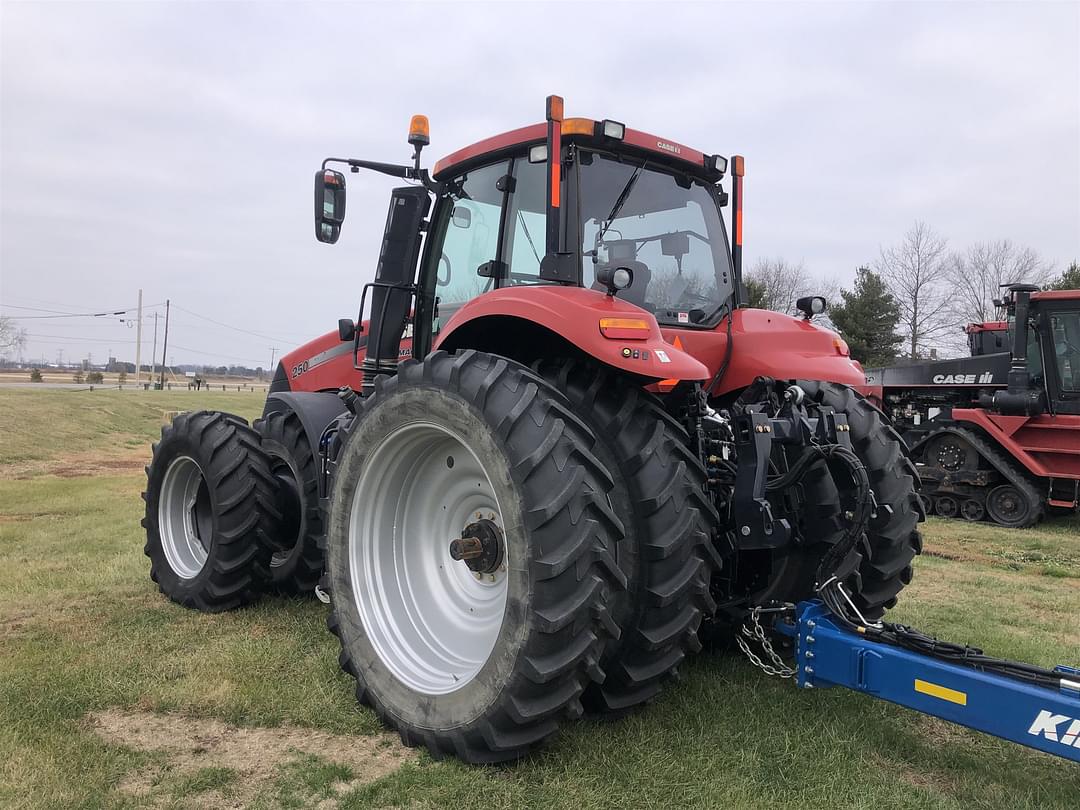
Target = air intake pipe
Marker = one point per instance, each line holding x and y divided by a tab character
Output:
395	281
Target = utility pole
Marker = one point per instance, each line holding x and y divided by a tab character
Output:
138	343
273	351
165	344
153	354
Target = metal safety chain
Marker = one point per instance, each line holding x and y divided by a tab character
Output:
755	632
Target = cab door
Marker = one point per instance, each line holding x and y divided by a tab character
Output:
1060	329
487	232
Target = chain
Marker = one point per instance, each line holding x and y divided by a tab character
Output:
777	668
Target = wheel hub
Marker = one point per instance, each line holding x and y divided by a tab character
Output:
950	456
480	547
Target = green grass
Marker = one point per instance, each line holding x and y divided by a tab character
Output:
83	630
58	425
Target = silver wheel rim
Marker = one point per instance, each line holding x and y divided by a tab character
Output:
184	518
432	621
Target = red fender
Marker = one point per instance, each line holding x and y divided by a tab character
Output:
1048	445
574	314
772	344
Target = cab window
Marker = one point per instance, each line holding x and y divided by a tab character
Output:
527	222
470	235
1065	337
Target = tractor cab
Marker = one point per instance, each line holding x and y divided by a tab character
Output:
1043	329
1054	317
988	337
573	236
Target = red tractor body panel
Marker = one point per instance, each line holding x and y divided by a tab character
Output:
1048	445
987	326
665	150
771	344
575	314
766	343
326	363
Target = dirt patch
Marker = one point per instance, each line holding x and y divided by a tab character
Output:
12	624
95	466
931	781
254	754
78	618
77	465
941	732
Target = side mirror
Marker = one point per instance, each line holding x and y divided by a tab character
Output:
329	205
811	305
461	217
346	329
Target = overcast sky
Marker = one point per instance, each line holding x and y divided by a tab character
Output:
171	146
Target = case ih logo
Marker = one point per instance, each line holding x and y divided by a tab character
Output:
1048	725
964	379
668	147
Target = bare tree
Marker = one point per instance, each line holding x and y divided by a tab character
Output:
916	272
780	283
12	337
977	275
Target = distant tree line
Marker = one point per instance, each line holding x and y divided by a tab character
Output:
915	298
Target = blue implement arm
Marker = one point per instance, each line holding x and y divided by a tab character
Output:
828	654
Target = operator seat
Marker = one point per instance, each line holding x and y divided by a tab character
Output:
635	293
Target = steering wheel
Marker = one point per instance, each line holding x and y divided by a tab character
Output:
699	296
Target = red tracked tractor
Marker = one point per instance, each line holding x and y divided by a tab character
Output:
557	450
996	435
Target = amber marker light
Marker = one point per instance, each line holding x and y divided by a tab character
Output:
625	328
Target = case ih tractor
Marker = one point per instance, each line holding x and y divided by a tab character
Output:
558	450
996	435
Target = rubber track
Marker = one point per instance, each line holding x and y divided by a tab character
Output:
674	523
237	471
892	537
300	573
573	584
1002	464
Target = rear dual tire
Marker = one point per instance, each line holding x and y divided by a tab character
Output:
296	567
211	513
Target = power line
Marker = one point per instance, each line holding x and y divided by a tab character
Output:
76	339
216	354
58	314
230	326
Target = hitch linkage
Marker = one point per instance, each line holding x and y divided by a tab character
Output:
755	433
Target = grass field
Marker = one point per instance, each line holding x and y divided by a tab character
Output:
111	696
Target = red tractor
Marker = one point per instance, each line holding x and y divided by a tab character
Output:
559	449
996	435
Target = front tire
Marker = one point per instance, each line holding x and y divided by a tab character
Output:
210	513
816	513
892	538
482	667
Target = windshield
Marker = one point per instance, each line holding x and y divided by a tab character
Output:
666	229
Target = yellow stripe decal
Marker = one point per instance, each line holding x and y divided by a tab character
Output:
942	692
